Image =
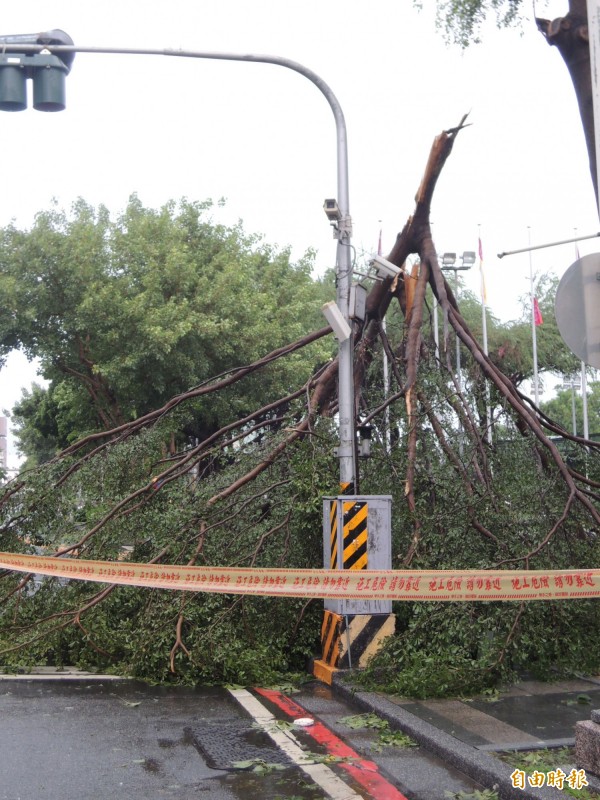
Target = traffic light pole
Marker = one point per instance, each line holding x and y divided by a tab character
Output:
343	232
360	539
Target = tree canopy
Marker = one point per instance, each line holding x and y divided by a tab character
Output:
510	344
568	400
123	314
461	21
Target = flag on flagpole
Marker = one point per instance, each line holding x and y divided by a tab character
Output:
482	275
537	314
379	250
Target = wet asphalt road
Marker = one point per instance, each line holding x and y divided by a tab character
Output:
96	741
104	740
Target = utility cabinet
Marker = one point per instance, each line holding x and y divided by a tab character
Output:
357	535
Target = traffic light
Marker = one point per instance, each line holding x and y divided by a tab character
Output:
47	71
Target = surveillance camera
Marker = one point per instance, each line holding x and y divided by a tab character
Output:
332	210
335	318
385	268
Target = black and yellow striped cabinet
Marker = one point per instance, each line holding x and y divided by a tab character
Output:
356	536
357	533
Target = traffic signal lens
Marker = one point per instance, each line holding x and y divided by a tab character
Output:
49	89
13	88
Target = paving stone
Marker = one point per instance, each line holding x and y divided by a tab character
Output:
587	746
482	723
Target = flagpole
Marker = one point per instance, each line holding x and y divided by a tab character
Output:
488	406
536	393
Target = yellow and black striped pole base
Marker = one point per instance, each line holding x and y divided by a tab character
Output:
348	642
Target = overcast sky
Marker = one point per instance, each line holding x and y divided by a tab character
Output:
264	137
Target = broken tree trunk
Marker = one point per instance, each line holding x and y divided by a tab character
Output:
569	34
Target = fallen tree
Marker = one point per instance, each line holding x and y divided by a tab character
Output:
250	494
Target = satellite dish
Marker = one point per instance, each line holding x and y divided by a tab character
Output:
577	309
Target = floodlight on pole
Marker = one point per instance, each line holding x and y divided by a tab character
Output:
467	260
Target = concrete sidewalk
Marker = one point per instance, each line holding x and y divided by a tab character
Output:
468	733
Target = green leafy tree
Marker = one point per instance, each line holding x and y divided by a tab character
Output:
461	21
510	344
560	409
125	314
36	417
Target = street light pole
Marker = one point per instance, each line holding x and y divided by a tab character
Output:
364	542
343	227
449	263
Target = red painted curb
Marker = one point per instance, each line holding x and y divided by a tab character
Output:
364	772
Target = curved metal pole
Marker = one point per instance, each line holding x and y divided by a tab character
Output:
550	244
346	450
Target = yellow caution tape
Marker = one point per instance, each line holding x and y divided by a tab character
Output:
448	585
